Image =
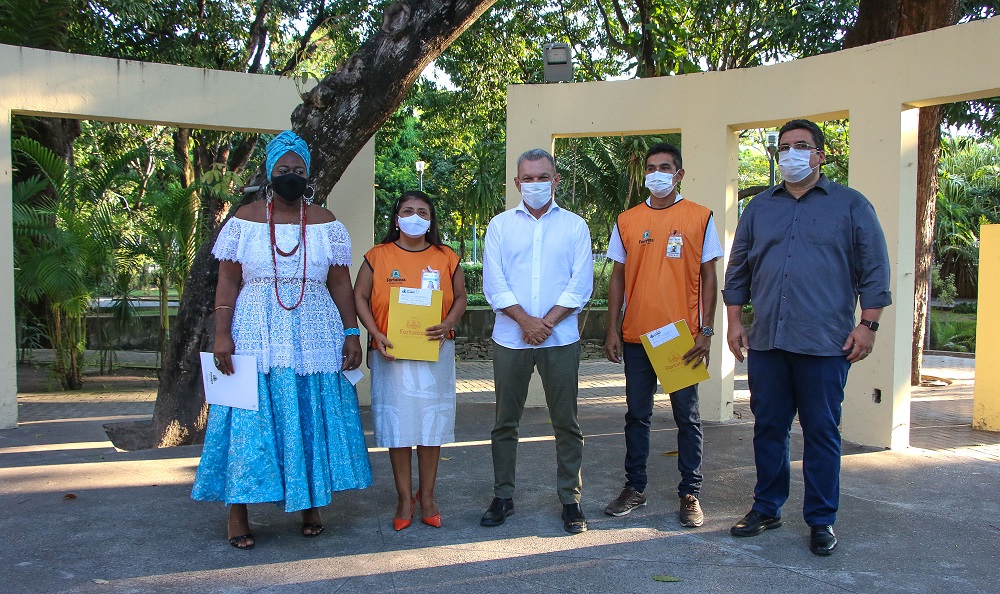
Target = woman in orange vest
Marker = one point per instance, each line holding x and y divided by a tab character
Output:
413	402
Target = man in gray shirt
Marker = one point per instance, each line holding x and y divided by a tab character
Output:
807	250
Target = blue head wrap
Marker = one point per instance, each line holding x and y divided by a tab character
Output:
285	142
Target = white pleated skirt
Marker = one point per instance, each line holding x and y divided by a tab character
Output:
413	402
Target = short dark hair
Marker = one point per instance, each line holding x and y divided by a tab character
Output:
433	235
669	149
809	126
536	155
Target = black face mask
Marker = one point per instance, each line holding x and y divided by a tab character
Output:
290	186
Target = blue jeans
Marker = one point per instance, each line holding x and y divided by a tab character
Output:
781	384
640	385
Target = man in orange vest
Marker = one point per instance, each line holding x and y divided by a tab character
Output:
664	252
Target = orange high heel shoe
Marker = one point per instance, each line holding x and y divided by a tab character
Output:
434	520
398	524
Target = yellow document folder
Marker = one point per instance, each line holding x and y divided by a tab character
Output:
411	312
665	348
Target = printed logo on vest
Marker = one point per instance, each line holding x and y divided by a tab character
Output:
395	278
646	239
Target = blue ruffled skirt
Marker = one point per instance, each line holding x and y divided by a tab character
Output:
304	443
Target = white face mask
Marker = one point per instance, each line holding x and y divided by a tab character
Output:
414	225
659	183
794	164
536	194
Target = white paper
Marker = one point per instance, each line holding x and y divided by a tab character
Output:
238	390
354	375
415	296
662	335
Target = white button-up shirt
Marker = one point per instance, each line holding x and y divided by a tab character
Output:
537	264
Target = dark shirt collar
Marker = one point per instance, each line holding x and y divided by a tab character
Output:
822	184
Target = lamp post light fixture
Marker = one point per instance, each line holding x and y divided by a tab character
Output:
420	165
558	62
772	151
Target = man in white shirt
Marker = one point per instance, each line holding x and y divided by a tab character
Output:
538	272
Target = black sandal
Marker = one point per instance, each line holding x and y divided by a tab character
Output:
307	526
236	540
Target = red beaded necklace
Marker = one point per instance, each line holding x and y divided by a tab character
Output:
275	250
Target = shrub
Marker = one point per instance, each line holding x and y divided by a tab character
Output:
602	276
477	299
953	336
968	307
943	288
473	278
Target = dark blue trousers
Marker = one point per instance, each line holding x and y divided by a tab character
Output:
783	384
640	385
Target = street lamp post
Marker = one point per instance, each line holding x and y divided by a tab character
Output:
420	169
772	151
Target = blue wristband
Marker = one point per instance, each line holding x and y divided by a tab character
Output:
352	332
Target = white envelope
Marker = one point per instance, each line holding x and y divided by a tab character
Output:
238	390
354	375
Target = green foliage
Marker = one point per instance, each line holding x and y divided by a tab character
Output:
602	177
473	277
43	24
943	288
953	336
968	197
67	236
602	279
968	307
478	300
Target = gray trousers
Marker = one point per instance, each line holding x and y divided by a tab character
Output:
559	368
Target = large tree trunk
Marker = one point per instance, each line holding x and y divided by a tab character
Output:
879	20
336	119
928	151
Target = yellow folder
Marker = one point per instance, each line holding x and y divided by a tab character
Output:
411	312
665	348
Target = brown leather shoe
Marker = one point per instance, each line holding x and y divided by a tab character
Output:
690	514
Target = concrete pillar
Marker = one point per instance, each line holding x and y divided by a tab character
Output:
8	350
352	201
986	401
711	174
877	398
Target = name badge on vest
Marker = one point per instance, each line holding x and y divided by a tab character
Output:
674	245
430	279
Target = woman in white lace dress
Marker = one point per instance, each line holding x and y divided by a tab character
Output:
285	297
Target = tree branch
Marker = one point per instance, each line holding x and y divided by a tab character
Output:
612	42
301	52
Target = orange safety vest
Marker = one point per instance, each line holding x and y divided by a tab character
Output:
662	274
392	266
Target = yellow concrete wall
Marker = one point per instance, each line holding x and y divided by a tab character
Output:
986	402
36	82
875	86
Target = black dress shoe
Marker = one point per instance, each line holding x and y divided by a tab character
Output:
823	540
499	509
573	519
754	523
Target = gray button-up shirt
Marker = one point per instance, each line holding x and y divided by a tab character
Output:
805	263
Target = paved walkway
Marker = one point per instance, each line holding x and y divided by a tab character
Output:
80	516
940	416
